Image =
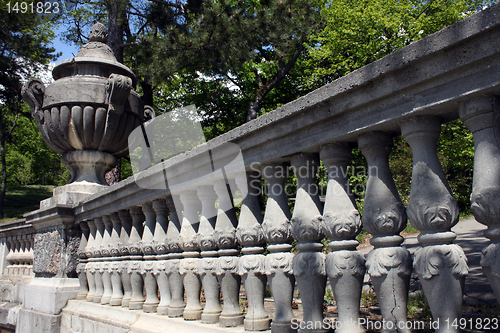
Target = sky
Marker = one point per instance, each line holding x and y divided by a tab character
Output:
67	50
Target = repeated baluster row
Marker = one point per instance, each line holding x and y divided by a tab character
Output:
181	253
20	256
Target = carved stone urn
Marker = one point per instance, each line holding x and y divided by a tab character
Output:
88	113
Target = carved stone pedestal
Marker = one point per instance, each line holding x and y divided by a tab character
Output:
207	269
230	281
175	280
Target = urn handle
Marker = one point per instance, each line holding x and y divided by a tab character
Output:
117	91
32	92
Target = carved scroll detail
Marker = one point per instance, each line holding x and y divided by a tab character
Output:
117	90
32	92
340	262
381	260
430	259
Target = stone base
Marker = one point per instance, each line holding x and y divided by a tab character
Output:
71	193
31	321
192	314
162	310
231	321
9	312
210	318
125	302
257	324
49	295
175	312
79	316
282	328
114	301
150	308
132	305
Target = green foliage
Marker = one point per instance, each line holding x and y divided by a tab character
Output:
328	298
418	307
455	149
358	32
22	199
29	160
456	154
368	298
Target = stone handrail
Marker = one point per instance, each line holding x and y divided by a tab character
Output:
137	237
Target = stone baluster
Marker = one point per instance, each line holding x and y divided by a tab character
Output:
31	243
134	266
106	269
15	255
8	257
82	261
175	281
481	116
384	216
96	268
432	209
115	264
148	247
22	254
208	245
188	266
125	232
89	266
160	238
252	263
345	266
309	263
227	264
278	231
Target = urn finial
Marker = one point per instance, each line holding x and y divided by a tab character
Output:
98	33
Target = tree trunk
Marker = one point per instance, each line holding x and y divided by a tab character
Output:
116	19
3	187
147	91
113	176
255	104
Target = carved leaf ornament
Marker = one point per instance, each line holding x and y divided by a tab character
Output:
277	233
282	261
427	214
381	260
491	257
312	263
486	206
338	262
430	259
254	263
379	221
341	226
307	230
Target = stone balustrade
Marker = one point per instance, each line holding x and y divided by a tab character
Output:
17	244
186	249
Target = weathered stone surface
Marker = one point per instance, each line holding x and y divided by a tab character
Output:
56	252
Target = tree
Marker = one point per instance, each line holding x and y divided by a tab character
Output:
358	32
252	45
23	51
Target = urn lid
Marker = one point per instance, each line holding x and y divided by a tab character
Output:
94	58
